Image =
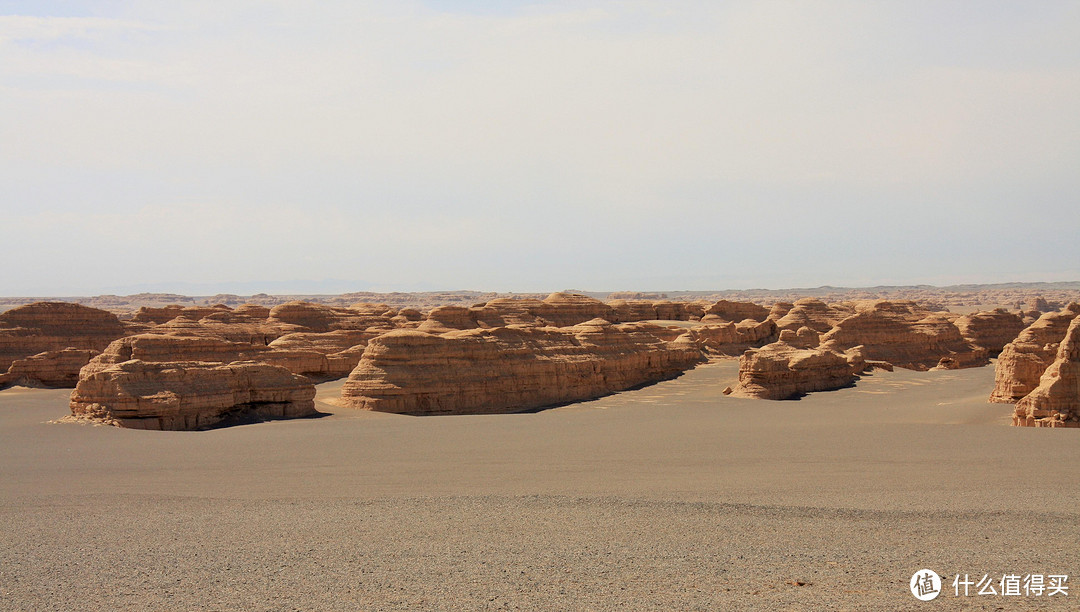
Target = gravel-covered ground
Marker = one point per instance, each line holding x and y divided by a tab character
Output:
672	497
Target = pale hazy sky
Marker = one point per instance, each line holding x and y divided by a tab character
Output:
535	146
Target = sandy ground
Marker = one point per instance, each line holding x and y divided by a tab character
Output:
672	497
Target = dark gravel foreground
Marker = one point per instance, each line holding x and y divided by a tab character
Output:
503	553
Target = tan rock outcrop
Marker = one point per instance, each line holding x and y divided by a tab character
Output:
309	317
779	310
51	369
738	311
815	314
149	314
255	311
317	356
1056	401
565	309
447	318
734	339
509	311
190	395
780	371
54	326
905	335
990	330
1023	361
510	369
626	311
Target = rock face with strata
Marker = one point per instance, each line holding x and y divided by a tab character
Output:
190	395
738	311
510	369
316	356
812	313
1023	361
905	335
733	339
566	309
1055	402
310	317
50	369
780	370
990	330
54	326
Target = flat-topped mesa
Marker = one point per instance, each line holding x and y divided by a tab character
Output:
905	335
191	396
990	330
1023	361
54	326
812	313
738	311
1056	401
781	371
511	369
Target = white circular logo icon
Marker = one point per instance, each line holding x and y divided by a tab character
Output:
925	585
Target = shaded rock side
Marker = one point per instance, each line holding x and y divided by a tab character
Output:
510	369
1056	401
1023	361
191	396
781	371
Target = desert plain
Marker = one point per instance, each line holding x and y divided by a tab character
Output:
673	496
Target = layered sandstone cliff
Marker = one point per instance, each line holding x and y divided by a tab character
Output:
738	311
51	369
50	327
783	370
1023	361
734	339
990	330
191	395
510	369
317	356
1055	402
812	313
905	335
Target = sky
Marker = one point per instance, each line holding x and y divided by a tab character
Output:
278	145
